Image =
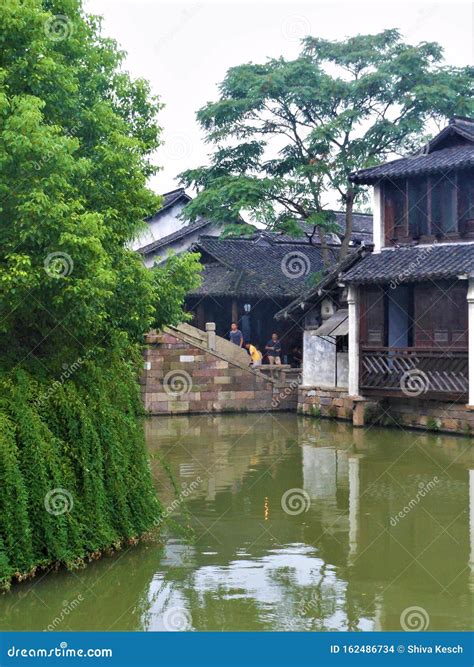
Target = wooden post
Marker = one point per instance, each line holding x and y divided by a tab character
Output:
470	305
235	311
200	316
353	303
378	227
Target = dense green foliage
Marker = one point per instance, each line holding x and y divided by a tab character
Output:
74	473
77	135
288	133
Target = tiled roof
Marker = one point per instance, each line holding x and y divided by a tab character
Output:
175	236
259	267
434	262
169	199
439	161
328	281
362	224
431	159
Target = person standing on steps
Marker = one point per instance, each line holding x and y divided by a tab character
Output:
255	355
273	350
235	335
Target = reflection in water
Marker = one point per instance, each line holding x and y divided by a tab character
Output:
369	545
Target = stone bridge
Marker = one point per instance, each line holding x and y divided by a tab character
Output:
187	370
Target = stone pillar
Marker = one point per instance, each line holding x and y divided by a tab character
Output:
470	306
211	335
378	226
353	304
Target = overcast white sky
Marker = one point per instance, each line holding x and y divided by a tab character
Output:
185	48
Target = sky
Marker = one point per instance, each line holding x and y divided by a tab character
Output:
185	48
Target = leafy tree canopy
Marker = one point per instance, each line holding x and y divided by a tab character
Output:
285	134
77	135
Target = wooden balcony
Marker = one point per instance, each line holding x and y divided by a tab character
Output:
414	372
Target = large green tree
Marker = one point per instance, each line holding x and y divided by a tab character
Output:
77	136
285	134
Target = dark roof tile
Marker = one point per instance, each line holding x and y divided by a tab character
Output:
258	267
456	151
433	262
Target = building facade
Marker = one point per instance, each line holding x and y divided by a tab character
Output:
410	303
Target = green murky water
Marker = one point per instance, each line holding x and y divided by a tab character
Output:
299	525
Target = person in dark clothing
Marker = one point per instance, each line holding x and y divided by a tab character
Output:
296	357
235	335
273	350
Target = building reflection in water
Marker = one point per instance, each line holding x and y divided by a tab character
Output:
341	564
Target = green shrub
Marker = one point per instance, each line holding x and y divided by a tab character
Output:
81	447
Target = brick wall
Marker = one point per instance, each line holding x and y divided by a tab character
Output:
182	377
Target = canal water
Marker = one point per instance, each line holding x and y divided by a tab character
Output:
299	524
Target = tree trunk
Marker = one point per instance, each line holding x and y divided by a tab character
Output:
348	230
324	247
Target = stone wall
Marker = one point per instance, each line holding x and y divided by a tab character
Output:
321	402
182	376
423	414
399	412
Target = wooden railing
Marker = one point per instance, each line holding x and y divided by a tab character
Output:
414	372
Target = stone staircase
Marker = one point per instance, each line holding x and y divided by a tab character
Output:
189	370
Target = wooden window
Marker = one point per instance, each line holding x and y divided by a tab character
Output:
417	207
395	210
372	317
441	316
443	205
